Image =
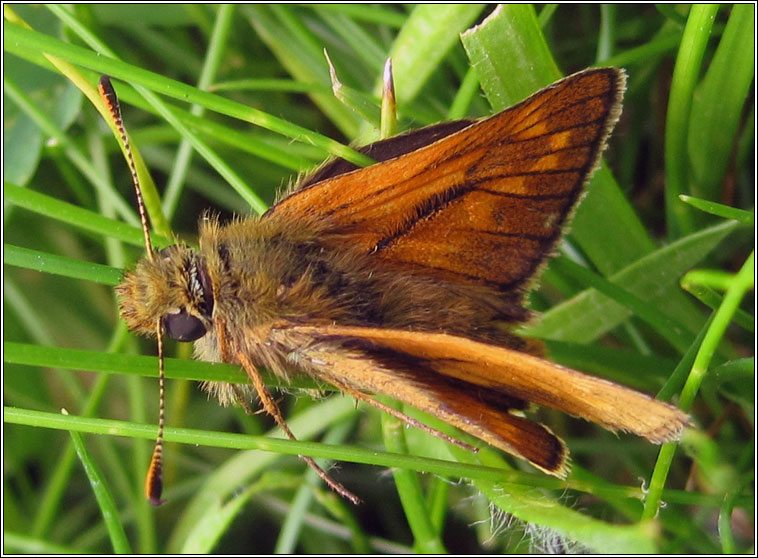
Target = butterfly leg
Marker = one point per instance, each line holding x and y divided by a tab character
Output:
242	400
272	409
402	416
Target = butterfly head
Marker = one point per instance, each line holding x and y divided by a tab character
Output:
173	287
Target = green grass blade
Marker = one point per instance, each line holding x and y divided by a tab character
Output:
258	144
74	215
426	537
713	300
293	529
666	327
189	137
743	281
371	53
378	13
103	496
514	32
691	50
721	210
59	265
112	363
718	102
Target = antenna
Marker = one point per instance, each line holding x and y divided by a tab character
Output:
154	477
108	95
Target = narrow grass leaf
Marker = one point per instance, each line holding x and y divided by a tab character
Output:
60	265
718	102
686	72
721	210
588	315
75	215
103	496
426	538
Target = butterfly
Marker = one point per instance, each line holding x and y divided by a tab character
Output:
406	278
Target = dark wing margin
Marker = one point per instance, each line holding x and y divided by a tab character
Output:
485	204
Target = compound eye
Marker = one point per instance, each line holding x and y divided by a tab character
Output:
183	326
168	251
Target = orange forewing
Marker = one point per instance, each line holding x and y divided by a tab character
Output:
375	361
484	204
520	375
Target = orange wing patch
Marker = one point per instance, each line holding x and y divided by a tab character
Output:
485	204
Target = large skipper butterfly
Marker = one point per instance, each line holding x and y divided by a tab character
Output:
406	278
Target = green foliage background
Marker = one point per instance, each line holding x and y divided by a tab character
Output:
616	301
